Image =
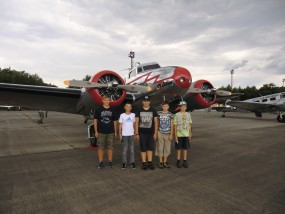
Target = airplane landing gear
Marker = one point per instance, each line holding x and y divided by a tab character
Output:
281	118
91	135
224	115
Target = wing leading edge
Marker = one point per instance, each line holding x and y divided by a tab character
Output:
40	97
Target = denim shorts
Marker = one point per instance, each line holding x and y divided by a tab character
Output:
183	143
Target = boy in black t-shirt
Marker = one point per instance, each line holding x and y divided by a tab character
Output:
105	125
146	131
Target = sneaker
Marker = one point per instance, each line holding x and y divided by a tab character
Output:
161	166
100	165
144	166
111	165
166	165
178	164
124	166
150	165
133	165
185	164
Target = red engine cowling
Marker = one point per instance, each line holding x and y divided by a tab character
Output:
117	95
199	101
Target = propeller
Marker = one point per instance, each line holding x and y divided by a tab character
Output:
209	91
114	84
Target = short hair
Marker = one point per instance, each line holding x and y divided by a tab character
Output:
128	103
164	103
106	97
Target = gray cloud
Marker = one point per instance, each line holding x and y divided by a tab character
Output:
69	39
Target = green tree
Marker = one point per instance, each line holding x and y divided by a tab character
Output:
8	75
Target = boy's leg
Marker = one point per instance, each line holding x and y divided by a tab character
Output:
143	156
125	149
110	141
178	154
178	147
101	144
143	140
160	142
150	147
132	151
167	147
184	154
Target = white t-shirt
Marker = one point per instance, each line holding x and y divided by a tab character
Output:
127	121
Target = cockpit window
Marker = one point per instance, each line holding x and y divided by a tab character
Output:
272	98
139	70
264	100
151	67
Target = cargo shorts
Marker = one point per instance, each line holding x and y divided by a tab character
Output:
105	140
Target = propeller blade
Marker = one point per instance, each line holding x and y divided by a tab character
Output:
86	84
208	91
223	93
198	91
137	88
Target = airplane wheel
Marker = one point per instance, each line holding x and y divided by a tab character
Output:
223	115
281	119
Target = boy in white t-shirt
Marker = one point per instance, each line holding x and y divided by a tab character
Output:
126	131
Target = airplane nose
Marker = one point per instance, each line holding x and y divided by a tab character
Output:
182	77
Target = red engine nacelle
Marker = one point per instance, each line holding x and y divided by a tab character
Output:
117	95
205	100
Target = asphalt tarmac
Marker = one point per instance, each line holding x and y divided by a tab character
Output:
236	165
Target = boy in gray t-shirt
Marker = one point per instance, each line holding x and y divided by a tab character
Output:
165	133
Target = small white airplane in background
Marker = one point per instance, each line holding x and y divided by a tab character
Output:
274	103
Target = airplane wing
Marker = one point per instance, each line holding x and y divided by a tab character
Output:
40	97
254	107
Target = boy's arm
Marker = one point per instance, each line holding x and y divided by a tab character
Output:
190	131
120	131
137	128
115	128
175	128
96	128
155	128
171	130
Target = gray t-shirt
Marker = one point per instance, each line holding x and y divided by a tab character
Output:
164	122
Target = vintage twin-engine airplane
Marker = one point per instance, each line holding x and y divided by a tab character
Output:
170	83
274	103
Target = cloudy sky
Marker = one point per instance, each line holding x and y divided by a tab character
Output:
67	39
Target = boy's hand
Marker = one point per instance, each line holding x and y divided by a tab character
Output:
155	136
138	137
190	136
96	135
170	137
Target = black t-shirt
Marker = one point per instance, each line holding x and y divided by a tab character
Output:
146	120
106	118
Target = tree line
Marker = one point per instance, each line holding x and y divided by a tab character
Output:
251	92
8	75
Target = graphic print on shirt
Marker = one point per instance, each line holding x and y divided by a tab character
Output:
146	119
106	116
164	123
129	119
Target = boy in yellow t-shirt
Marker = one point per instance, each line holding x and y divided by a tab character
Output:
183	133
